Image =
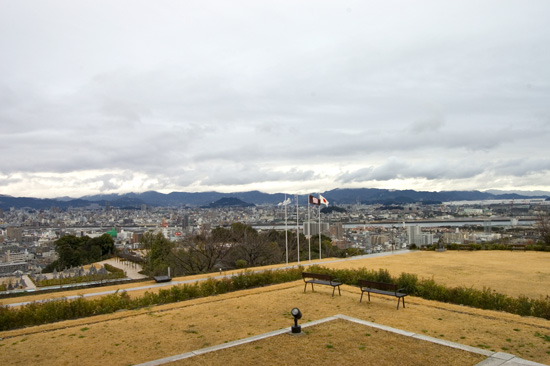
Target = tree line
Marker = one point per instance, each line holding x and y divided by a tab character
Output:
74	251
237	246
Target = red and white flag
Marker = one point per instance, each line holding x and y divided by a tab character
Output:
323	200
314	200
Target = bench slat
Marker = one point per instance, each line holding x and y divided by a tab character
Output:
382	289
320	279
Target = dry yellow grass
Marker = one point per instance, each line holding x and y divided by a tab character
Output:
511	273
130	337
340	342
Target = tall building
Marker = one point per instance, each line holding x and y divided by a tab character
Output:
416	236
413	233
337	231
325	228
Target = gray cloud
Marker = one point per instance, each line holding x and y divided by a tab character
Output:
183	96
429	169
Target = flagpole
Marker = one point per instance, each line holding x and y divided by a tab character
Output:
319	231
297	229
309	229
286	232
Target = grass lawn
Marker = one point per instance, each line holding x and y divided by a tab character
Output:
507	272
130	337
338	340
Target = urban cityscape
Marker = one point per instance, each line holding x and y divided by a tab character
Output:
28	236
274	183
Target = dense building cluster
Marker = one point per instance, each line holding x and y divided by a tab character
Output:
27	236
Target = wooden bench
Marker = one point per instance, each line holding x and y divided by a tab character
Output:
320	279
518	247
162	279
381	288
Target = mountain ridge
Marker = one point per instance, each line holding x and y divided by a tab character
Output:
197	199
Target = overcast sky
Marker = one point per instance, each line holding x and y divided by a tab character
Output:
279	96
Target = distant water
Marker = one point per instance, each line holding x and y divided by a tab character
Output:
412	223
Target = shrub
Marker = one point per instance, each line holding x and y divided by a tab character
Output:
208	287
524	305
112	269
408	282
224	285
383	275
430	290
40	313
241	263
81	279
541	308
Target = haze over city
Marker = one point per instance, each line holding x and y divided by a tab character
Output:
277	96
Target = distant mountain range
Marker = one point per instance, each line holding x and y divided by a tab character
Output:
229	202
336	196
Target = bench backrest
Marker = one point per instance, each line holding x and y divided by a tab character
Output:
318	276
377	285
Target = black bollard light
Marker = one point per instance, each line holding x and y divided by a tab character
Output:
297	314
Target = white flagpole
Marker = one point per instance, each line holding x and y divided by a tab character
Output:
286	232
319	227
308	228
298	229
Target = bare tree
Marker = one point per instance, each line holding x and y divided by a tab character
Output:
258	250
543	226
202	253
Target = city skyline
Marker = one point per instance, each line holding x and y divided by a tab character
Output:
123	96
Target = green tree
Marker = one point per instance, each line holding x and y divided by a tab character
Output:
328	250
75	251
68	251
99	248
277	237
159	250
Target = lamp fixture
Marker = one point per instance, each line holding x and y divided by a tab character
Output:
297	314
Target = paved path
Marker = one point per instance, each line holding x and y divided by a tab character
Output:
30	285
131	269
207	276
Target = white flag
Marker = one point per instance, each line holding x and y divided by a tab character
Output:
285	202
323	200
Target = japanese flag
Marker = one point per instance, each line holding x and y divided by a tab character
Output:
323	200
